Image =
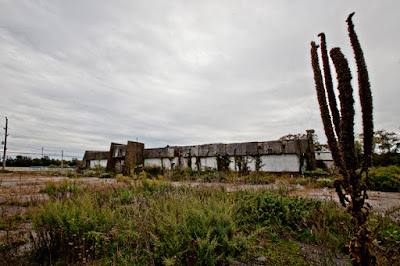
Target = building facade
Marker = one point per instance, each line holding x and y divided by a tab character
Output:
294	155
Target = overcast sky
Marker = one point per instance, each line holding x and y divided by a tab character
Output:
76	75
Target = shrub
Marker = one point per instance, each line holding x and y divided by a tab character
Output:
178	173
153	170
385	178
263	208
72	174
317	173
323	182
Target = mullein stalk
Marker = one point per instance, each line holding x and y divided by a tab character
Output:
323	106
365	94
329	85
362	244
346	139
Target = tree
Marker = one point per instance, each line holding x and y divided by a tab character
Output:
387	142
339	130
293	137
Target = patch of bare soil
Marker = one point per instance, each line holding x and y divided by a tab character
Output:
316	255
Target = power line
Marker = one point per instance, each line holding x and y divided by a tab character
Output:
44	154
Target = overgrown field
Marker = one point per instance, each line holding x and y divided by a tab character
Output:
152	222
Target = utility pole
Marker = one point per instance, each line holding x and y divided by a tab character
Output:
62	159
5	145
42	152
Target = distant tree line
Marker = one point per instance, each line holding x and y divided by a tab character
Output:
26	161
386	148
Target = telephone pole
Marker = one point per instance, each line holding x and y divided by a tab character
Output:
62	159
5	145
42	152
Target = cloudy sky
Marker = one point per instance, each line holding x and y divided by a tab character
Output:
76	75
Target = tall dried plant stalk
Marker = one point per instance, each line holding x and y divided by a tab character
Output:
329	85
323	107
365	94
351	190
346	134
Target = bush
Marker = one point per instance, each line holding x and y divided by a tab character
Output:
265	209
318	173
107	175
385	178
323	183
179	173
153	170
71	174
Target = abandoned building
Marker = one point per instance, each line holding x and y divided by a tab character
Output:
324	159
93	159
295	155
